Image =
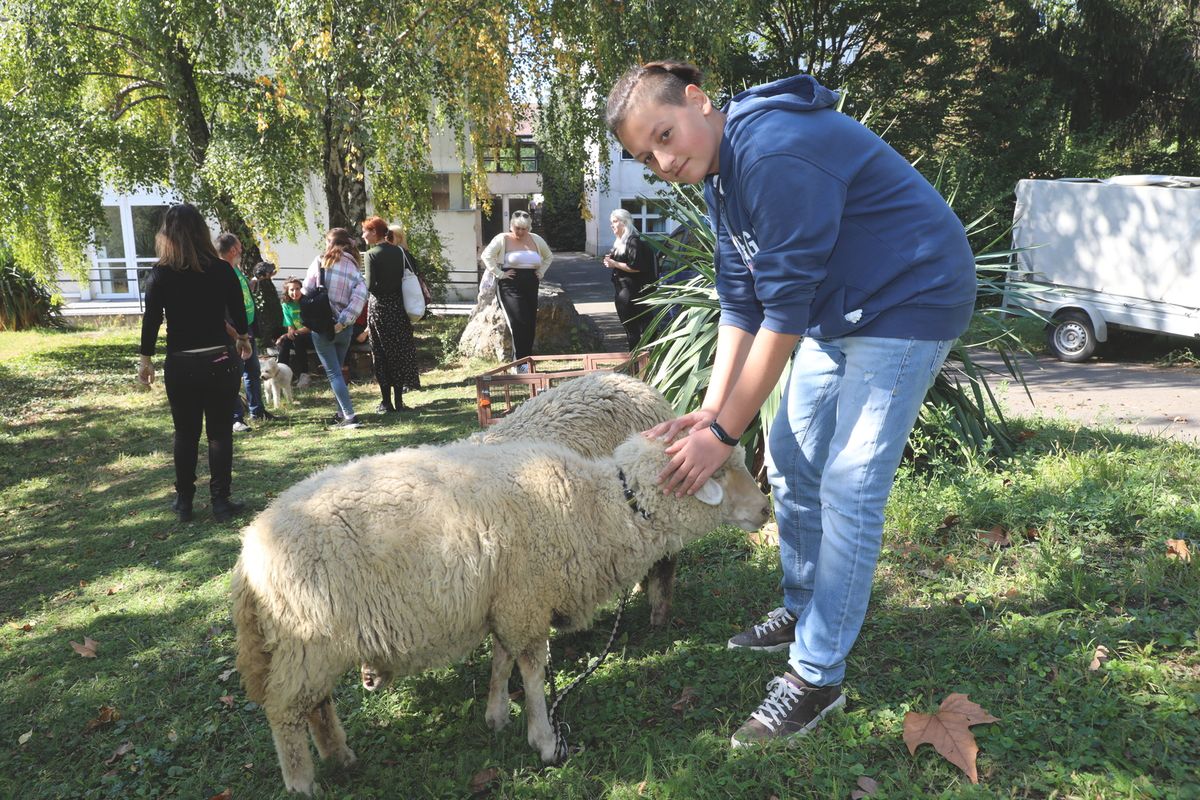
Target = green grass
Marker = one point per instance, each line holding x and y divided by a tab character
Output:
88	547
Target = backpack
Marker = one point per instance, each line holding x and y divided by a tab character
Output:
315	311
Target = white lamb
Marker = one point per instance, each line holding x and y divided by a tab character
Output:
591	415
410	559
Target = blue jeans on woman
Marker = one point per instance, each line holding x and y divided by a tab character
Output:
332	352
833	452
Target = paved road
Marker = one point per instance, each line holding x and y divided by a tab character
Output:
1139	398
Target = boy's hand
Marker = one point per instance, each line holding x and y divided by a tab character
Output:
695	420
694	460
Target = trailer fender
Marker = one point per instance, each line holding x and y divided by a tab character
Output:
1098	323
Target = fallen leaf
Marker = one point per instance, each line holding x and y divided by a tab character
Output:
687	698
227	699
121	750
1024	435
641	789
866	788
111	591
948	730
1178	549
161	535
225	795
172	736
949	522
26	627
1098	658
997	536
1033	533
249	765
106	716
87	649
224	676
482	781
25	737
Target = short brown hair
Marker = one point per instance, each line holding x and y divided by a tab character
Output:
661	82
183	240
376	225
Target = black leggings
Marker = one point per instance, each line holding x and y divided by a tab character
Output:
519	298
635	317
294	353
202	387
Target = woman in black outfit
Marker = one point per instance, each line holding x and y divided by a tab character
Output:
632	263
196	291
393	349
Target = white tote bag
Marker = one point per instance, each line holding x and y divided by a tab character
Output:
414	298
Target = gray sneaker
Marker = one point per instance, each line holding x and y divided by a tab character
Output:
347	423
793	708
777	633
240	427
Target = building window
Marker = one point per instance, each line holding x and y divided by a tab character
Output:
125	251
523	156
626	155
648	215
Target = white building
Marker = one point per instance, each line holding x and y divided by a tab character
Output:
628	188
127	249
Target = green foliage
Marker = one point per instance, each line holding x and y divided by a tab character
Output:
25	302
562	215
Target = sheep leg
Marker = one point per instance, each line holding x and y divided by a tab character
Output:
660	584
497	704
328	734
533	673
291	746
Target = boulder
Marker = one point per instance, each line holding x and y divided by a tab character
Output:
560	328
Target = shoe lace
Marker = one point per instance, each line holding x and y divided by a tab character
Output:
775	620
782	696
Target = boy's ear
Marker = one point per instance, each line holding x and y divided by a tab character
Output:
696	96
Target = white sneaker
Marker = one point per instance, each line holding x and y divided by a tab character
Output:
303	381
240	427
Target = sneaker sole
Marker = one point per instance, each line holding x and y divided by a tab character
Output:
793	738
775	648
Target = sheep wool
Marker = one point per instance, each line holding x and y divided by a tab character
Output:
448	545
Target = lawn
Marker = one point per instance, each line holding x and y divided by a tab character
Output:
1002	581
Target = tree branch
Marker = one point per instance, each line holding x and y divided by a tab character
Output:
146	81
117	113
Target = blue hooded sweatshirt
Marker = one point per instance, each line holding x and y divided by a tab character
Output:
826	231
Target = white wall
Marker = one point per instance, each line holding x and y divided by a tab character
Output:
626	180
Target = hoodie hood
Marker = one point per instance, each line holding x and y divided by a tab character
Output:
797	93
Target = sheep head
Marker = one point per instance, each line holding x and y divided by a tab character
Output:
731	490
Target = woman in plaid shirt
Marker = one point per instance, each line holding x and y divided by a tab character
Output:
347	296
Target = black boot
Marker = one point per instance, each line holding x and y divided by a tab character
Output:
225	509
183	506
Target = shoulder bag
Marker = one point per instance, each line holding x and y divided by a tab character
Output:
315	311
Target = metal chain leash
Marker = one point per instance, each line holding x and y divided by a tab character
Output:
557	725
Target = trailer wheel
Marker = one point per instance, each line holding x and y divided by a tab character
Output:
1072	337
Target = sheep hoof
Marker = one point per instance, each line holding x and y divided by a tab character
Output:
497	722
304	787
346	757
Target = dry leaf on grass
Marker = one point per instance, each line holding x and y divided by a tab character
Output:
227	699
224	676
948	730
225	795
997	536
124	748
87	649
483	780
106	716
1098	658
1178	549
866	788
687	698
25	737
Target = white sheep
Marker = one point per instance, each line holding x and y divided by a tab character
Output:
591	415
410	559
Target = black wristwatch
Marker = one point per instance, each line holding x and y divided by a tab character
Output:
721	435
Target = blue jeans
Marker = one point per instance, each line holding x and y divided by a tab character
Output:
833	451
252	383
332	352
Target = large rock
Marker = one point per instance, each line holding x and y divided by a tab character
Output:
560	328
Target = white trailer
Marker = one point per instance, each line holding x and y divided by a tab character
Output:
1117	253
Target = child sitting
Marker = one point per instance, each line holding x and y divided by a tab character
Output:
297	337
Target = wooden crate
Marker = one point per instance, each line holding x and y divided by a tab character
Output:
498	391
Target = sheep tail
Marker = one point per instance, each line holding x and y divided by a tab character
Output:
253	657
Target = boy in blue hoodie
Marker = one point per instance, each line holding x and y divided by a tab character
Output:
828	238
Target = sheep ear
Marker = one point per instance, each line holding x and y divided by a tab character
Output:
710	493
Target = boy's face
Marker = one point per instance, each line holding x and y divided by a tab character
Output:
293	292
680	144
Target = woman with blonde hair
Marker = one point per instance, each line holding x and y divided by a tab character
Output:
632	264
196	291
518	260
337	270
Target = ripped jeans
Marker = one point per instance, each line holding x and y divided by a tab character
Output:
833	451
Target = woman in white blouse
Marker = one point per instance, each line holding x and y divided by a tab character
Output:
517	260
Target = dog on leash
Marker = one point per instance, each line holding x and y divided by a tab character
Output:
276	380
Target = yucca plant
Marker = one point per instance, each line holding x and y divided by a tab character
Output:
961	416
25	302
